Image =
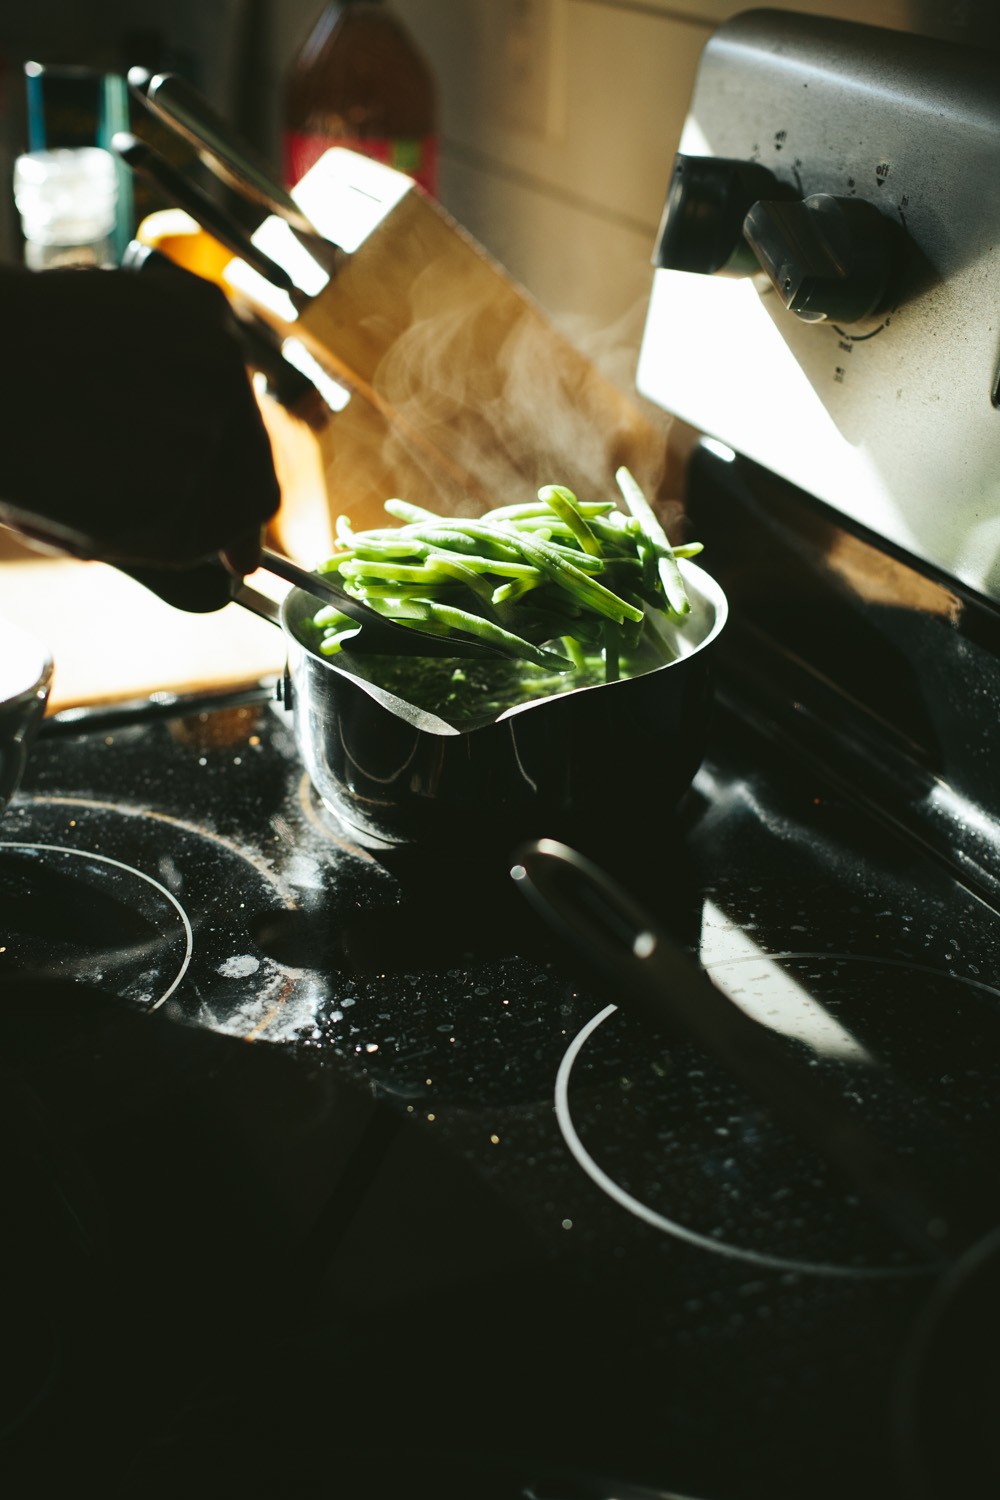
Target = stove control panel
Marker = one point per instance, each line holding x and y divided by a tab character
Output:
827	292
826	257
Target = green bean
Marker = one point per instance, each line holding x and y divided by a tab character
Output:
387	533
630	633
487	631
670	574
581	560
650	572
564	503
623	567
519	512
572	649
330	615
507	592
496	536
477	584
406	512
565	573
331	644
598	580
375	552
541	523
370	589
438	536
394	571
404	609
610	534
336	562
501	566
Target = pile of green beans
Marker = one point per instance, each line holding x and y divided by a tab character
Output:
583	576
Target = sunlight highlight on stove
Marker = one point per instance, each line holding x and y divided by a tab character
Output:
760	986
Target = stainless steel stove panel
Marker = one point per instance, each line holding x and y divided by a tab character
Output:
890	419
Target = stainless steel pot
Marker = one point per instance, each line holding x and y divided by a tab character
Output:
400	775
25	678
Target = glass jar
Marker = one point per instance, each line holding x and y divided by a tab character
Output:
67	201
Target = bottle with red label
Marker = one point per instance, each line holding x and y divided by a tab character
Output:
361	82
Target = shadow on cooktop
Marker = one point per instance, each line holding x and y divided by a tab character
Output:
462	906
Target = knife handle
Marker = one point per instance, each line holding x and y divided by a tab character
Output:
220	147
187	195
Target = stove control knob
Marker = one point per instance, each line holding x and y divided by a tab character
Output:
827	257
702	224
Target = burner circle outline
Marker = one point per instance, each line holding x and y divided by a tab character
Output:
131	869
670	1226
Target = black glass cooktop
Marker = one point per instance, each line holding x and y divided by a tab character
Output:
328	1160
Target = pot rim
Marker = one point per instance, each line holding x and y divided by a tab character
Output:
702	583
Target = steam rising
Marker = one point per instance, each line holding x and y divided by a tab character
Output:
504	403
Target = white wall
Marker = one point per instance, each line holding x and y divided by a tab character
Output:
560	122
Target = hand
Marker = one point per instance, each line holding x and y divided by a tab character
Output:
132	433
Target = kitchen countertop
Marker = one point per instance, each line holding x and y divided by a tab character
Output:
113	641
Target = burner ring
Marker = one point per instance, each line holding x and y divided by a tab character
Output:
728	1247
130	870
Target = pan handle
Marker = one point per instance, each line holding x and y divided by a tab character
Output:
657	978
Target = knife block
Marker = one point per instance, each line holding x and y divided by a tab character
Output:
467	371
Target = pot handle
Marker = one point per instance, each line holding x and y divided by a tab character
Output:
654	976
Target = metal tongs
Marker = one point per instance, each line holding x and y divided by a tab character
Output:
380	635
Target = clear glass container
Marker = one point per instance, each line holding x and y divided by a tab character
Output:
67	202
